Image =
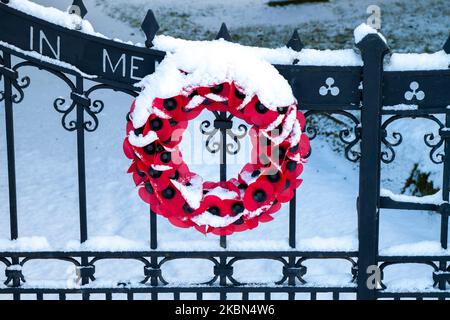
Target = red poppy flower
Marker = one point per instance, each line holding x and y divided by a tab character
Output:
172	106
258	194
304	145
160	126
128	149
236	96
259	114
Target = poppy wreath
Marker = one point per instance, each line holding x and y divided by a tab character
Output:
279	147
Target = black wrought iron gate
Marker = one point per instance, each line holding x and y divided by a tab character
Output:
363	93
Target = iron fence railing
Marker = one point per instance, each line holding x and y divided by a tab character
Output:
363	93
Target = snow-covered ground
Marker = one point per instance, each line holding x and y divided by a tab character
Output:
119	220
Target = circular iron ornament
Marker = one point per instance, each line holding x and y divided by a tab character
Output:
279	147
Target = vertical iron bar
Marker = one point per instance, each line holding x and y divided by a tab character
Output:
11	158
373	50
445	197
223	280
81	163
293	220
9	119
79	88
223	166
153	230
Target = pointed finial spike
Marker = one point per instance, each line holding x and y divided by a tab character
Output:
295	43
150	27
78	8
447	46
223	33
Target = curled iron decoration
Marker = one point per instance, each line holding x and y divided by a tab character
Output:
18	83
233	147
240	133
205	129
97	106
349	135
431	140
59	103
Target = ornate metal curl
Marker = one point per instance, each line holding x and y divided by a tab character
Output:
204	128
59	103
233	147
388	155
60	106
350	137
97	106
19	84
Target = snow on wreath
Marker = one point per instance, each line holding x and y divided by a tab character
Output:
221	77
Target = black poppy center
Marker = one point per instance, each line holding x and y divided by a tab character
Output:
237	208
291	166
166	157
156	124
239	94
214	210
168	193
260	108
170	104
274	177
217	89
149	188
154	173
259	195
150	149
187	208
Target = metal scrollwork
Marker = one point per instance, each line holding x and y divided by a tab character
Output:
20	84
233	147
60	106
350	135
97	106
433	141
436	156
205	130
